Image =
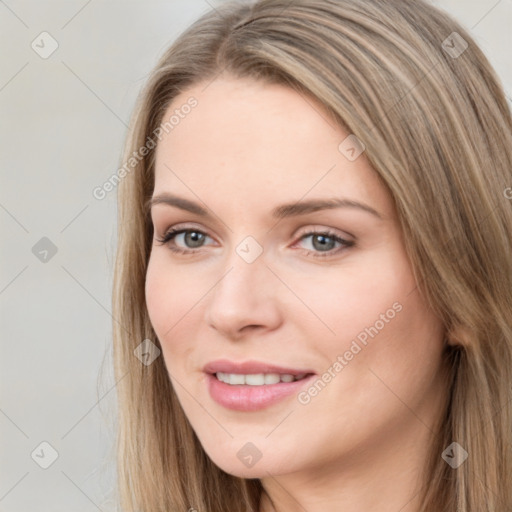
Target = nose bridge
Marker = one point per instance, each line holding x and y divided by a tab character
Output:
244	295
244	276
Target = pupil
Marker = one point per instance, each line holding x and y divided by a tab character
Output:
323	244
194	237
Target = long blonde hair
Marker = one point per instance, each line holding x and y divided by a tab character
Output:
438	131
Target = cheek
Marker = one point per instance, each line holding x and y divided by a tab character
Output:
170	297
346	303
372	313
176	296
157	300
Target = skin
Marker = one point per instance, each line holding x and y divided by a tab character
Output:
362	442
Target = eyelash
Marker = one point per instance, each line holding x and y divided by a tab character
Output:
172	233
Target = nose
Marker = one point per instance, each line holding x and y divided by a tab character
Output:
244	299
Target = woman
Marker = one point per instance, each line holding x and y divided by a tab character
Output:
313	286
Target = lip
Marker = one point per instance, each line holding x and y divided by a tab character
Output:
248	398
250	367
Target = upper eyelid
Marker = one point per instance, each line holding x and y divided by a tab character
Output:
161	213
303	232
178	229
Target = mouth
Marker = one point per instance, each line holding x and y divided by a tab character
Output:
258	379
249	392
253	386
253	370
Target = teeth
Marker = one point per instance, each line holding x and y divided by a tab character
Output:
270	378
258	379
236	379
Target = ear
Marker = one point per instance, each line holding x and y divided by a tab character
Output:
458	336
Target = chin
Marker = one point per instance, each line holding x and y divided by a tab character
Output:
248	462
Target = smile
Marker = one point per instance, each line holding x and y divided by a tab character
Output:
257	379
254	391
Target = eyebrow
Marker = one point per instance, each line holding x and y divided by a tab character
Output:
279	212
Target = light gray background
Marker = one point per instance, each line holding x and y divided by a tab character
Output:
63	122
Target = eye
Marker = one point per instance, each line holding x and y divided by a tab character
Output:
324	243
193	239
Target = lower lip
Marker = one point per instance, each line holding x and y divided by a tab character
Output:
252	398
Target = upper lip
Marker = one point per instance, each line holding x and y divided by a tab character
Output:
250	367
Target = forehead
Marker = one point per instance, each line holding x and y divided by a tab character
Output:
248	141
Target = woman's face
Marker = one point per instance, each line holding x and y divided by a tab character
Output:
257	287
